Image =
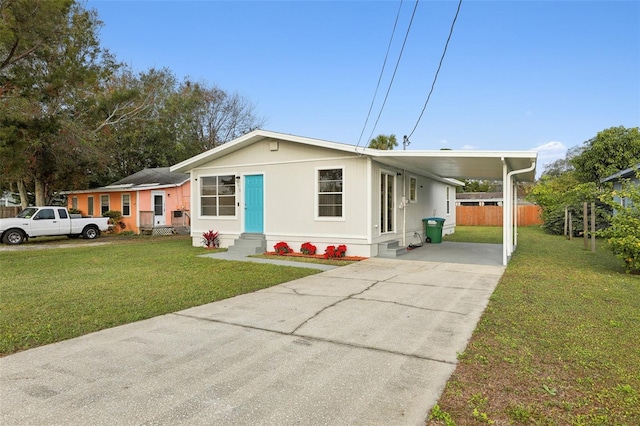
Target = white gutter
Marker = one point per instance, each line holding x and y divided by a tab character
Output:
507	209
370	228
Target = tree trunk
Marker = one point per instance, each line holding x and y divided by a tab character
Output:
22	190
39	189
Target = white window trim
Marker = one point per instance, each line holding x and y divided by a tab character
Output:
394	175
91	204
122	204
316	194
108	203
415	195
74	203
448	200
236	195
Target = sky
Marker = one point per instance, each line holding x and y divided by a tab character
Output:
517	75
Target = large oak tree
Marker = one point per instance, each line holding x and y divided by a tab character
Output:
51	65
71	116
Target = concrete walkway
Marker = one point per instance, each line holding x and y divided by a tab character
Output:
372	343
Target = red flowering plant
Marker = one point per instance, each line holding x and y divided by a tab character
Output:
210	239
333	251
308	248
282	248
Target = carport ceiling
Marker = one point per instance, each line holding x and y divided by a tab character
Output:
483	165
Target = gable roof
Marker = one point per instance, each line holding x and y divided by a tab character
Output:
153	178
623	174
441	164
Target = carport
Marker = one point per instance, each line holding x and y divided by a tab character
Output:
510	167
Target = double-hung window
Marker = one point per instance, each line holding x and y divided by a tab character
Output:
330	191
90	205
126	205
413	189
104	204
218	195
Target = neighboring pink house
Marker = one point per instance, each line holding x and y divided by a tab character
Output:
150	199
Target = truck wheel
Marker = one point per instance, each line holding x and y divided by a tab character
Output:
13	236
90	232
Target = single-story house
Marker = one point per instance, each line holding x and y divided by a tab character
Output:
151	198
279	187
479	199
631	174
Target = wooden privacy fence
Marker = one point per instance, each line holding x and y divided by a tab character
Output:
492	215
9	211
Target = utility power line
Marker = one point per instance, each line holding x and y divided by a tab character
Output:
396	68
435	78
395	24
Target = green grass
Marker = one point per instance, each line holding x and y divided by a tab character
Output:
59	293
476	234
559	343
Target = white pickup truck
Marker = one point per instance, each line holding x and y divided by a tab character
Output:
49	220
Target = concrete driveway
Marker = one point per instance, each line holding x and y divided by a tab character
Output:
370	343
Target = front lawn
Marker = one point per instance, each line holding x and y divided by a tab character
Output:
559	343
55	294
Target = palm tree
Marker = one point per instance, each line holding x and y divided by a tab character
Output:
383	142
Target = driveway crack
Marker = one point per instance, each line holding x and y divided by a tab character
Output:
332	305
410	306
319	339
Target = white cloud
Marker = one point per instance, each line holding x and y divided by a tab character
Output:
551	146
548	153
443	142
469	147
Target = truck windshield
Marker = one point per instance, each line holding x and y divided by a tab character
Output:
27	213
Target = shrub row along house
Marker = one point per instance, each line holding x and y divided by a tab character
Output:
267	187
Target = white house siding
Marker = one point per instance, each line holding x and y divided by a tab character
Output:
290	175
430	202
438	205
290	198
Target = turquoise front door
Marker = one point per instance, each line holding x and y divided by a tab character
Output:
254	204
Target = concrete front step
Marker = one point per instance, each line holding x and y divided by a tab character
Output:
390	249
248	244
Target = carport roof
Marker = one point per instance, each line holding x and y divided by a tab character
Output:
485	165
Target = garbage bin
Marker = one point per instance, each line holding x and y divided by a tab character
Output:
433	229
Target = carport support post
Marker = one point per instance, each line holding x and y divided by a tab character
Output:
515	216
505	211
507	206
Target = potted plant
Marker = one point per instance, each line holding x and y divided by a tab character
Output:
210	239
334	252
282	248
308	249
